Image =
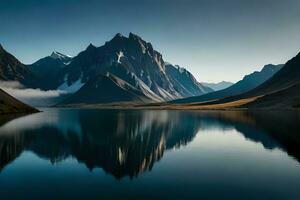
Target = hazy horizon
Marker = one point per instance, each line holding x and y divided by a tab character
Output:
215	40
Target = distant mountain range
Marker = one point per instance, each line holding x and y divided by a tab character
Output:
248	83
218	86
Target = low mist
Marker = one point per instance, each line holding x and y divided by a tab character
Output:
33	97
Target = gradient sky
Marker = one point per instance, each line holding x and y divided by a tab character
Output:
214	39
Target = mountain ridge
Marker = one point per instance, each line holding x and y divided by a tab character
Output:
248	83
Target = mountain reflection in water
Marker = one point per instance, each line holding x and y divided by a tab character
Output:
128	143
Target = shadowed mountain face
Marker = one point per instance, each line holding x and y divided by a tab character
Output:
286	98
51	69
128	143
281	91
288	76
10	105
248	83
130	59
11	69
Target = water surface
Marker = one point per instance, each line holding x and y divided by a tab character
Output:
115	154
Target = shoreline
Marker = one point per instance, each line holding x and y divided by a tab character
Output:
171	107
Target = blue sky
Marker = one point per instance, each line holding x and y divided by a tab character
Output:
214	39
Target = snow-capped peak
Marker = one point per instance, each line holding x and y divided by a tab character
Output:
57	55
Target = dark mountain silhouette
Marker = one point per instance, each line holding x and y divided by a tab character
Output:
286	98
280	91
50	69
10	105
11	69
288	76
248	83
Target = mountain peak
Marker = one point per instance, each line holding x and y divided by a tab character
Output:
60	56
271	67
118	35
134	36
1	48
91	46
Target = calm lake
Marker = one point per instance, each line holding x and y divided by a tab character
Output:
118	154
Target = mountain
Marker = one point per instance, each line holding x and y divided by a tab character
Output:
280	91
59	56
184	81
218	86
10	105
287	77
11	69
286	98
107	89
130	59
248	83
50	69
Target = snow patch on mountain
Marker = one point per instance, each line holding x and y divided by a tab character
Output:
74	87
120	55
67	63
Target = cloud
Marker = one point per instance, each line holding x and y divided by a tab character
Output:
10	84
34	97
